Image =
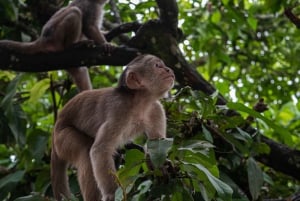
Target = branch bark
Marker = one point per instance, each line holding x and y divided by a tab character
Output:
293	18
281	158
80	55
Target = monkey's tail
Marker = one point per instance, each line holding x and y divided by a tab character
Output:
20	47
59	177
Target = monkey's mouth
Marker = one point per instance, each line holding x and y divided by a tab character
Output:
169	77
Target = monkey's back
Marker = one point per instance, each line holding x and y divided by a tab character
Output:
82	111
88	110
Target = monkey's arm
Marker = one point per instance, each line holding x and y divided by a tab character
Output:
101	155
95	34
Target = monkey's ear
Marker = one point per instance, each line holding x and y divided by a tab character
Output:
133	81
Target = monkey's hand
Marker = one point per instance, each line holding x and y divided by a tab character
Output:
83	43
108	48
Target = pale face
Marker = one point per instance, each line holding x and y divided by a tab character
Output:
161	77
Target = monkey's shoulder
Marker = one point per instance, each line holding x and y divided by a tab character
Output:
87	98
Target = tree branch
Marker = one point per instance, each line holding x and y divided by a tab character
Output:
123	28
293	18
168	11
281	158
115	11
79	55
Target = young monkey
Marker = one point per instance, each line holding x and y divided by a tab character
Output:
80	19
93	124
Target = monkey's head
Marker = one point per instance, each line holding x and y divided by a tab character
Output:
147	73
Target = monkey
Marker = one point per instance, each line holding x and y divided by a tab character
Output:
78	21
95	123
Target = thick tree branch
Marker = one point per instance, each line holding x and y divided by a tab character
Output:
115	11
79	55
293	18
123	28
168	10
281	158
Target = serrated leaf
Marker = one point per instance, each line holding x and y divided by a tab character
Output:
158	150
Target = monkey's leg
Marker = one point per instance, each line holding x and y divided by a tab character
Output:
60	32
81	78
88	186
63	29
74	146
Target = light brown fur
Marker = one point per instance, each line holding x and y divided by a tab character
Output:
79	20
95	123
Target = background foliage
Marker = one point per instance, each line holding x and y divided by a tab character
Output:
248	49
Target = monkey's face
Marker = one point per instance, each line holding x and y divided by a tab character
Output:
161	77
148	73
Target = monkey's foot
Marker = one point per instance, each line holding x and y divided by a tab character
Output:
83	43
108	48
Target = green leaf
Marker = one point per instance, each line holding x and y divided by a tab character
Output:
207	134
133	163
216	17
196	144
38	90
274	5
11	91
119	194
252	22
143	188
13	111
12	178
158	150
255	178
261	148
37	143
253	113
8	9
203	192
244	134
223	190
225	2
33	197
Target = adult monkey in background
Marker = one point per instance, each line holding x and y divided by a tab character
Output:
79	20
93	124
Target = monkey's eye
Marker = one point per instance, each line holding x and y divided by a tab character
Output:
158	65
